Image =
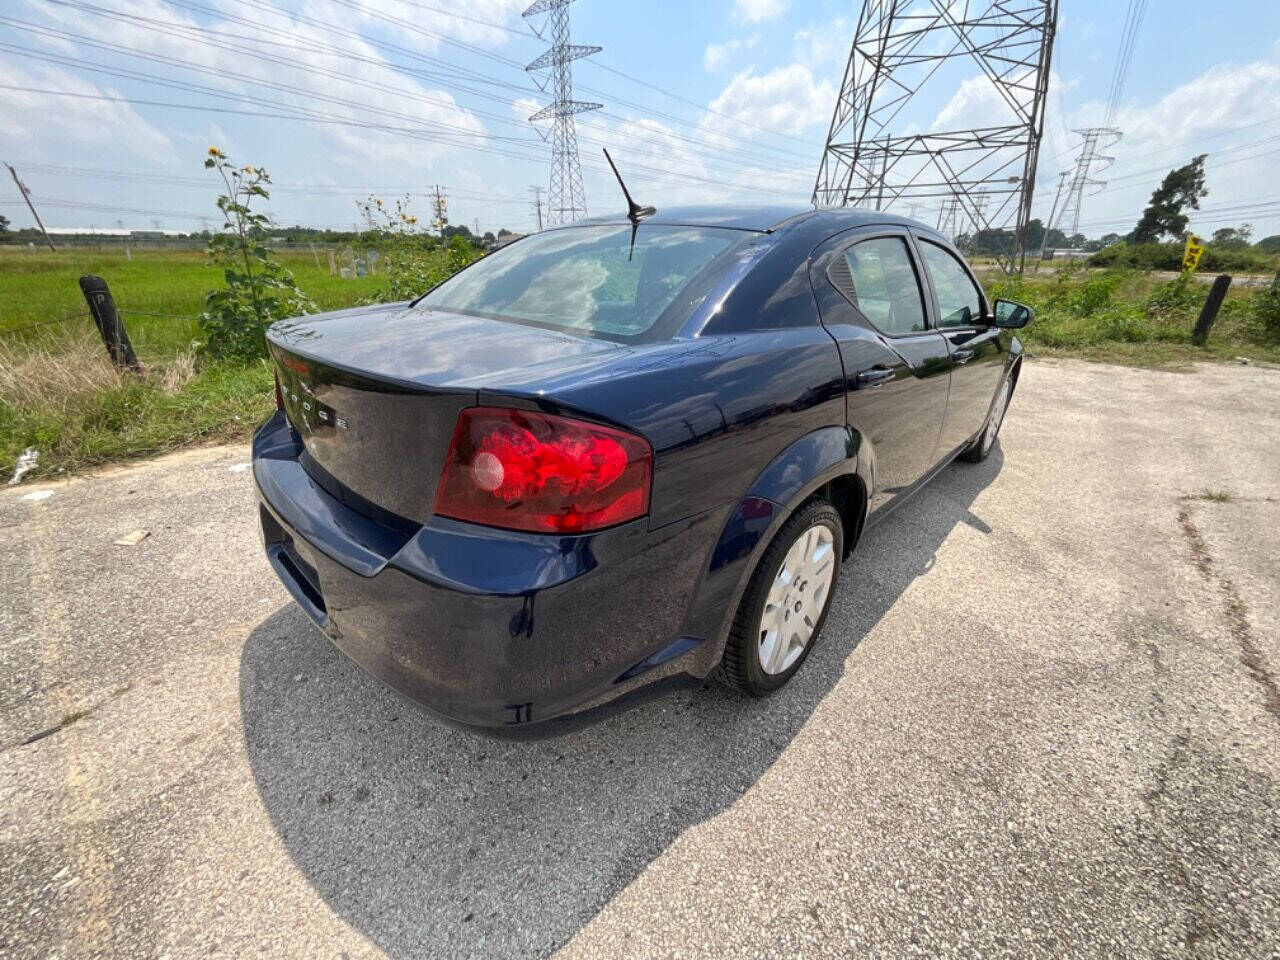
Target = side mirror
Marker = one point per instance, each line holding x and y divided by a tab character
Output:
1012	316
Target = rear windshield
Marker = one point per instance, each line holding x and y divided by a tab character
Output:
588	279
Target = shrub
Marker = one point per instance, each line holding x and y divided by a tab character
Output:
413	262
1168	256
1094	294
1266	310
259	290
1176	298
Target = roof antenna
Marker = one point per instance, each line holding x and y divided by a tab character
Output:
635	212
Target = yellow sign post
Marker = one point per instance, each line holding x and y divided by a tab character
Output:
1192	253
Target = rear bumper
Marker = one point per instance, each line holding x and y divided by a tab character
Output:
485	627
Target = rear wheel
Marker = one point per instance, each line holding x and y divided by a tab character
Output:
786	602
986	441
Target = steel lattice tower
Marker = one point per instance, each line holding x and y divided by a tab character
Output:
1073	183
898	47
567	200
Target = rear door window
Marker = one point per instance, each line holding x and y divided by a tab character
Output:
589	279
878	277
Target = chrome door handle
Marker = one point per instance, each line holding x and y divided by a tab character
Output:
962	356
874	377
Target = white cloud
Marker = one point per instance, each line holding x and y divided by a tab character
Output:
753	11
823	44
413	27
522	108
1216	113
976	103
43	126
787	100
1218	99
717	54
359	87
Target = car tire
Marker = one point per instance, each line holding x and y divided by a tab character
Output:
985	442
788	593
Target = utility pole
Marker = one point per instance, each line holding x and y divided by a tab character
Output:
567	200
26	195
899	53
537	205
1053	213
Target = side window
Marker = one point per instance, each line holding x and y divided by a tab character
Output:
878	278
959	301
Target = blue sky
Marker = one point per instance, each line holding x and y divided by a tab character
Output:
746	90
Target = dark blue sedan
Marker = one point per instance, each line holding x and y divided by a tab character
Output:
615	451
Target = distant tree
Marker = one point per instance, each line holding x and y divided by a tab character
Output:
1181	188
1269	244
1233	238
1107	239
489	238
4	225
1077	240
504	232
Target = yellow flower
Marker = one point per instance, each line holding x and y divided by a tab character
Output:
215	152
248	169
378	202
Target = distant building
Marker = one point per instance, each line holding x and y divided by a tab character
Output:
114	232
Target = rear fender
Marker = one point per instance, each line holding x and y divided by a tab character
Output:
792	478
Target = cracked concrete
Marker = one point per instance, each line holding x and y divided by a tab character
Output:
1039	724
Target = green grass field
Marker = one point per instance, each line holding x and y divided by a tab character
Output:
38	286
60	396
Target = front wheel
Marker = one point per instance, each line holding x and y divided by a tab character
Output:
786	601
982	446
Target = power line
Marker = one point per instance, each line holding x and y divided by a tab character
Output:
656	175
314	189
362	106
1129	38
626	76
710	155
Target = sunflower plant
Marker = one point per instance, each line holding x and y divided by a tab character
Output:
259	290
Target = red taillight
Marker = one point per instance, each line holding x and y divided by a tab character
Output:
534	471
279	392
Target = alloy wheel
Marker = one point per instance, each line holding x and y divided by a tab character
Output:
997	416
796	599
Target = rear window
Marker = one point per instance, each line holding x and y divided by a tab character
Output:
589	280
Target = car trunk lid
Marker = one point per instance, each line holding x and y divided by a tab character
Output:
375	393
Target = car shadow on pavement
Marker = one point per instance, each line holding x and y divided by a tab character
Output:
433	841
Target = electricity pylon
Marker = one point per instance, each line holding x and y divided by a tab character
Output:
899	46
1073	183
567	200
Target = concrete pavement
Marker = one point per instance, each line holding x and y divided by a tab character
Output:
1043	721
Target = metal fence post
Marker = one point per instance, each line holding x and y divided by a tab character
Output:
107	318
1209	313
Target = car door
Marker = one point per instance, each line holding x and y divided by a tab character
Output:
962	316
871	298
